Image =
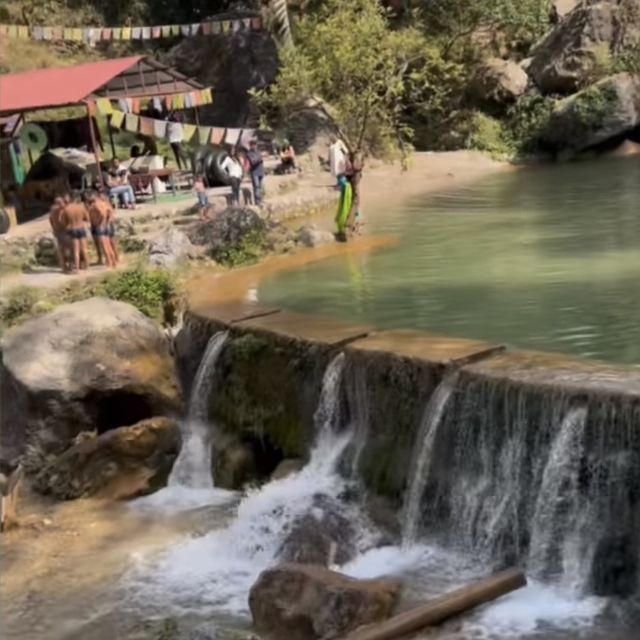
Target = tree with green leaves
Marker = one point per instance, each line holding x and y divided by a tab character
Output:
349	65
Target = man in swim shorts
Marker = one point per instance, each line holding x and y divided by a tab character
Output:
62	240
75	219
99	210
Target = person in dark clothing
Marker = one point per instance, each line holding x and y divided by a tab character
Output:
175	133
256	171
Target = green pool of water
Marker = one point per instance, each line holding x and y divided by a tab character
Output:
545	258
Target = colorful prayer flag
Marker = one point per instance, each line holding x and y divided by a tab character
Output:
23	32
136	33
207	28
116	120
256	23
146	33
156	32
216	27
76	34
188	131
175	29
135	105
204	133
106	34
12	31
185	29
159	128
226	26
4	28
232	137
104	106
116	33
146	126
217	135
131	122
195	29
247	23
207	96
166	31
126	33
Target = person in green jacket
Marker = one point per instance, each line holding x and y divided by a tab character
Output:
344	208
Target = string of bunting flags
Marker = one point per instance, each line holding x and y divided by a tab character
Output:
172	102
158	129
101	34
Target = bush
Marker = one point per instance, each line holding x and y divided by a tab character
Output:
19	305
487	134
527	120
149	291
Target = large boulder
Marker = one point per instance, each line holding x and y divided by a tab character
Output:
591	33
92	365
608	109
308	602
170	248
120	463
498	83
562	8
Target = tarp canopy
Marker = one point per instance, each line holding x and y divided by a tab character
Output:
119	78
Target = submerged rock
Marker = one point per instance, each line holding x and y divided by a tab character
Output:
605	110
590	35
287	467
322	536
92	365
121	463
307	602
235	463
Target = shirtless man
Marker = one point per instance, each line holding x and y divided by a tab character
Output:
62	239
74	219
99	215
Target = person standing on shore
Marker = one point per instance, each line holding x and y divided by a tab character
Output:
75	220
232	166
337	158
175	134
256	171
99	215
62	239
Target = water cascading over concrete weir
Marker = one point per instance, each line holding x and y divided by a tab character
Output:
521	475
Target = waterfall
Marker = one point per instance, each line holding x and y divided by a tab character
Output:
192	468
221	566
423	450
555	515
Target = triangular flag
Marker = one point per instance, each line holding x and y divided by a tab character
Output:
104	106
131	122
116	120
204	133
217	135
188	131
159	128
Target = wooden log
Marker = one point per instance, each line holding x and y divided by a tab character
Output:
442	608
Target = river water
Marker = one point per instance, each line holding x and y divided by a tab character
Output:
545	258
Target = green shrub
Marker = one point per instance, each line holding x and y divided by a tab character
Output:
149	291
527	120
487	134
19	305
247	250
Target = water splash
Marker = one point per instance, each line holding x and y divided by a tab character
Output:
423	451
216	571
192	468
557	503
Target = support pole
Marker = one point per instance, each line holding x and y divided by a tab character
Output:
113	144
442	608
94	143
197	114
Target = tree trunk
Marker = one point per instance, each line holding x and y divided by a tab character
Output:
442	608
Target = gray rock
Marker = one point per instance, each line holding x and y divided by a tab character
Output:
234	463
307	602
498	83
287	467
121	463
91	365
567	56
312	236
46	251
170	248
605	110
562	8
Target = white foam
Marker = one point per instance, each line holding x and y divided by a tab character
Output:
538	608
179	498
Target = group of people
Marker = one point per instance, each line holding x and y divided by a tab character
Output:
346	168
72	219
234	165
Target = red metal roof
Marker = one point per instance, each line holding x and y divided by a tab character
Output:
44	88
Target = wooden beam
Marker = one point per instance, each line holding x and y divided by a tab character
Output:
443	608
94	143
